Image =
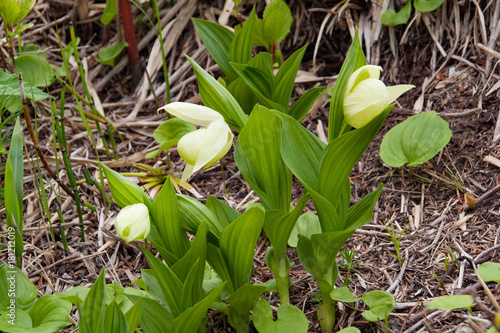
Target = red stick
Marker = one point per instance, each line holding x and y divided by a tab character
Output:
129	31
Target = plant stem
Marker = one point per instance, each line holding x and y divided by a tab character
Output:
129	31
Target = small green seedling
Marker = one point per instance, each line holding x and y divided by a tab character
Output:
416	140
396	240
108	54
348	256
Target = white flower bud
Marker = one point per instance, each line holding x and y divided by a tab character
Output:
132	223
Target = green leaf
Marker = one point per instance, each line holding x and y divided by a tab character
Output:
245	97
217	39
20	29
167	218
290	319
242	301
285	79
489	271
193	213
338	160
133	316
307	225
14	181
343	294
10	94
427	5
278	225
237	243
301	151
172	129
452	302
258	157
277	22
114	320
107	55
222	211
170	284
92	310
350	330
216	97
155	318
191	319
35	69
48	314
261	82
190	269
415	140
391	18
240	50
302	106
354	60
124	191
381	304
25	291
109	12
14	11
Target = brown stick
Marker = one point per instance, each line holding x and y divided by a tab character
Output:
27	117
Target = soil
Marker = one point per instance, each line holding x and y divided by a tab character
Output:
440	235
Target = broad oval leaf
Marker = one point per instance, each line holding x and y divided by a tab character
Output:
290	319
107	55
36	70
277	22
427	5
391	18
452	302
489	271
307	225
381	304
343	294
350	330
416	140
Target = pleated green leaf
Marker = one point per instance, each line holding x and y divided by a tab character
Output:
302	106
114	319
354	60
92	310
191	319
278	225
285	79
167	219
216	97
194	213
240	50
217	39
14	171
237	243
124	191
155	318
242	301
258	157
338	160
302	151
222	211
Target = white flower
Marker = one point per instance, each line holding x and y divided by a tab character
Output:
366	96
132	223
205	146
